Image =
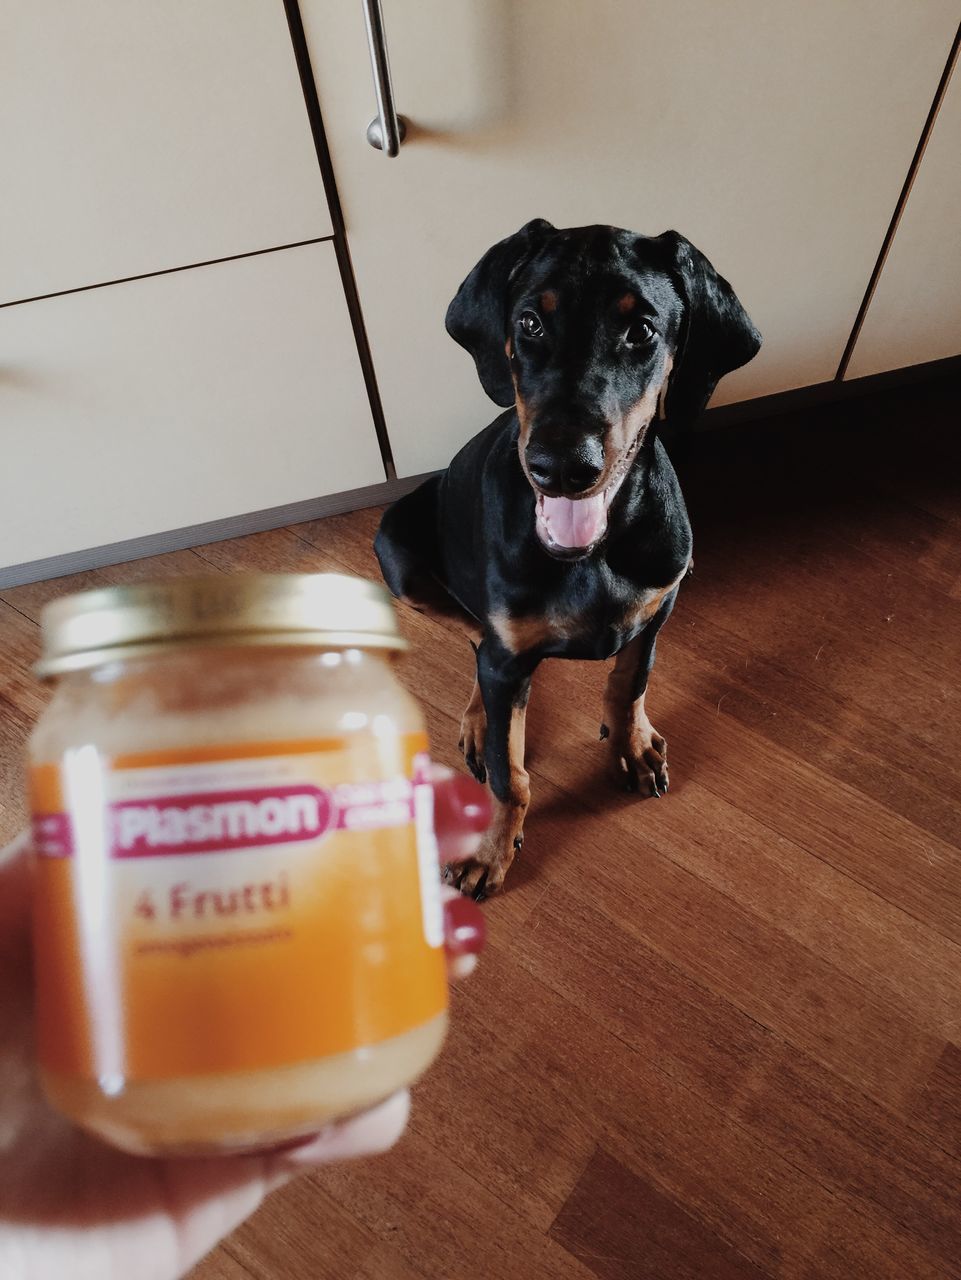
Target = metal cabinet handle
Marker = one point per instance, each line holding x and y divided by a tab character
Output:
387	130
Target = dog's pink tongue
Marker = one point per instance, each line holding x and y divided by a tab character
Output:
576	523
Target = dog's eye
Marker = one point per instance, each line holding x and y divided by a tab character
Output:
639	334
530	322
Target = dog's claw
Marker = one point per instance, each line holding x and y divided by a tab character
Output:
642	770
479	893
605	732
518	842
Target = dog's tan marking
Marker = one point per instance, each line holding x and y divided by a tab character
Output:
638	753
506	831
662	393
524	421
518	635
473	730
530	631
643	609
618	700
664	385
632	427
549	300
520	784
626	304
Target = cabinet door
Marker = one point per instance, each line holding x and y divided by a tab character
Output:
187	397
915	314
136	136
775	135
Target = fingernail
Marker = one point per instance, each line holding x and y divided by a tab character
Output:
464	927
460	967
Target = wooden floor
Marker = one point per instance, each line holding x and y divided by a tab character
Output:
717	1035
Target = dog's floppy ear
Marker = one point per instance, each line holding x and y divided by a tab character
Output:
477	318
716	337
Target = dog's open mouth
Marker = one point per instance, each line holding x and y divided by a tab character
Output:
572	524
572	527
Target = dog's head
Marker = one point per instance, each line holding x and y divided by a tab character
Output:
592	332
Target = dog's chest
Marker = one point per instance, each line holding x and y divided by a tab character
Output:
606	631
596	623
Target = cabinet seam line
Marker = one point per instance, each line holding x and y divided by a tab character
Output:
164	271
298	40
900	206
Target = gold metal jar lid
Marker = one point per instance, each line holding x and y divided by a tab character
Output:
326	610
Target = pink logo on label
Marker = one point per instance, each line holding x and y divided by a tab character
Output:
224	821
218	822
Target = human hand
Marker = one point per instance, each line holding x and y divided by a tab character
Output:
70	1206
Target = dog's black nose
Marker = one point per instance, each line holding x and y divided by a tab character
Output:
566	471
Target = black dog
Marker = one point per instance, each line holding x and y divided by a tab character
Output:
560	530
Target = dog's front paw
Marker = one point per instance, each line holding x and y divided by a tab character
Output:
484	874
638	761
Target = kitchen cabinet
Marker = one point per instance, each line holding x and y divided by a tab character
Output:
915	313
159	369
776	136
178	399
137	136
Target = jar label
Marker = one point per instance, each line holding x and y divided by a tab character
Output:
233	908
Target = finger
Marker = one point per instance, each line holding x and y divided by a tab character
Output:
209	1198
369	1134
462	813
464	933
17	848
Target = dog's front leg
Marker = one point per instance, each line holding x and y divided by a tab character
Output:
504	682
638	753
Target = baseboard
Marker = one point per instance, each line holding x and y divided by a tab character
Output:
195	535
373	495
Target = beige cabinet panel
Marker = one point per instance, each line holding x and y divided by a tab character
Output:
137	135
148	406
775	135
915	314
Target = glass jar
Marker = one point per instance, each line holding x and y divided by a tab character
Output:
238	932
